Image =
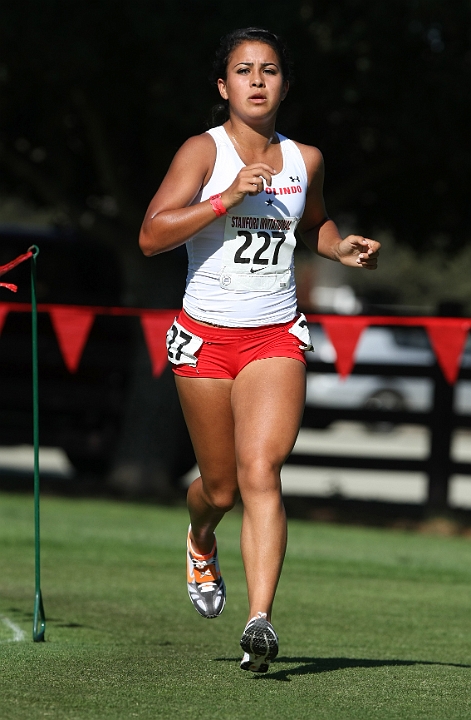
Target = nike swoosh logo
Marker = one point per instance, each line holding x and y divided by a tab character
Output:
257	270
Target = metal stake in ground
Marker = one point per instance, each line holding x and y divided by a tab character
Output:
39	620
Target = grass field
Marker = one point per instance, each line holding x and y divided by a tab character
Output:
372	623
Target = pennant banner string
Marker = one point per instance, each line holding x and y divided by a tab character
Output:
72	324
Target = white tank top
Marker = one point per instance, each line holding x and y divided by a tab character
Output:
240	267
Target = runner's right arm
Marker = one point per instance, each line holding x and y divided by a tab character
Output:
171	219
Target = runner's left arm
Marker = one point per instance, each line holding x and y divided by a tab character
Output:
320	233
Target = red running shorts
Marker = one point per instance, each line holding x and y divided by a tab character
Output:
224	352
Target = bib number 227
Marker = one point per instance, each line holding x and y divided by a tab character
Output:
272	243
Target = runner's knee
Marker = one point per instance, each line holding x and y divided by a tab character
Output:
222	498
259	476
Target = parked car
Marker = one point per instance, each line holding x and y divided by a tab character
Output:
394	345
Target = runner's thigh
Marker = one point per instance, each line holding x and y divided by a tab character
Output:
206	404
268	401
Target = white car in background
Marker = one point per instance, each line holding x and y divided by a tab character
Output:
389	345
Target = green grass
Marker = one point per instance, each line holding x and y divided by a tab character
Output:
373	624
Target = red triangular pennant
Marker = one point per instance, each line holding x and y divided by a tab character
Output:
72	326
448	339
3	314
344	333
155	325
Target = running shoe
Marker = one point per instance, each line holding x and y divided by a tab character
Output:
259	642
205	585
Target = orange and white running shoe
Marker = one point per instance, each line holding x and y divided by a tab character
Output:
205	585
259	642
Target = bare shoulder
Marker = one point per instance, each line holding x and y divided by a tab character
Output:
313	159
203	142
189	171
199	150
193	162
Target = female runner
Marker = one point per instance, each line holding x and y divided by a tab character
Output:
235	196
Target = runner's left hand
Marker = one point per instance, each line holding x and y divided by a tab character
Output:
357	251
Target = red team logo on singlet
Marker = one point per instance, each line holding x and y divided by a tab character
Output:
284	190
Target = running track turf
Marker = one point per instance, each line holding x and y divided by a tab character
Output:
372	623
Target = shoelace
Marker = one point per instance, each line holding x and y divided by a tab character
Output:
201	564
207	586
206	572
258	616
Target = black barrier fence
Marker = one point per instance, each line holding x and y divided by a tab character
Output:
83	398
441	420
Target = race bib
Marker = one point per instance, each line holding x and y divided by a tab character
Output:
300	329
182	345
258	253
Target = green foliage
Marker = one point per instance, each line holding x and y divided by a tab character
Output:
373	624
418	281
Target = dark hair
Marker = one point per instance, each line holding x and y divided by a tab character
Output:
220	112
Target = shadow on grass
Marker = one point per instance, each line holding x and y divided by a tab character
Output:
26	615
314	666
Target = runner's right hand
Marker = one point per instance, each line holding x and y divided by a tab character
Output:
249	181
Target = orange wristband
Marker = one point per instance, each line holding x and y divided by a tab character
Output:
216	204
